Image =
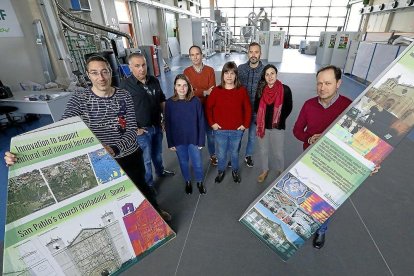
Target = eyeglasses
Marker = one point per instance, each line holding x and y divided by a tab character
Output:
104	72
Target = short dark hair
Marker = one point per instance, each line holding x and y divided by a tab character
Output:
337	71
97	58
255	44
195	46
190	92
136	55
230	66
262	82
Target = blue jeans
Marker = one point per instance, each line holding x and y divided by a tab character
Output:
228	141
184	154
324	227
151	145
210	139
251	137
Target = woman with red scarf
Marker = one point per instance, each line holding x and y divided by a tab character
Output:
273	104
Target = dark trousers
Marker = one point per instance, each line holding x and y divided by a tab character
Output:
134	167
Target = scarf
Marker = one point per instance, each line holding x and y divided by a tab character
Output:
270	96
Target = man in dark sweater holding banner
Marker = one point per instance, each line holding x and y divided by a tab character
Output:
315	117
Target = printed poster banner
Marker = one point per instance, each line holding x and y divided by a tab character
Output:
71	209
9	25
292	209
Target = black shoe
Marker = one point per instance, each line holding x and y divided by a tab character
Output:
166	173
236	176
249	161
188	187
201	188
219	176
229	164
319	240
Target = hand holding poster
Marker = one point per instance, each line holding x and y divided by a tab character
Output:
292	209
71	209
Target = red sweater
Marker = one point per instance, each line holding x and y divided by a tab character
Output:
314	118
201	81
230	108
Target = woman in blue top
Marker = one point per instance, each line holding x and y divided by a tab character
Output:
185	130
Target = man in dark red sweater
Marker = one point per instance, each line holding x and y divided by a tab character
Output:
316	115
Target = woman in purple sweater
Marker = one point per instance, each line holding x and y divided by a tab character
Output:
185	131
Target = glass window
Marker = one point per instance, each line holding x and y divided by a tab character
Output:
315	31
281	3
243	11
240	21
281	21
301	2
297	31
337	3
317	21
228	11
230	20
262	3
225	3
244	3
319	11
236	31
300	11
321	3
205	13
298	21
333	21
280	11
205	3
337	11
331	29
296	39
312	38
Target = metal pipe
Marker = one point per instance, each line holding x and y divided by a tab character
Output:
84	32
93	25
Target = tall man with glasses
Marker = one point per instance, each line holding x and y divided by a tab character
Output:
249	75
149	102
203	80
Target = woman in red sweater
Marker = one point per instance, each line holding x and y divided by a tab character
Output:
228	112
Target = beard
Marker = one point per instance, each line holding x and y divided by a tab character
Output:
253	60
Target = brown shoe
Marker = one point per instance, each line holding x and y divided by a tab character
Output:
166	216
262	176
213	160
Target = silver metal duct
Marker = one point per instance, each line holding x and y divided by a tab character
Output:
94	25
84	32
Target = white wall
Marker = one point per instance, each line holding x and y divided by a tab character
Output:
149	23
19	56
401	20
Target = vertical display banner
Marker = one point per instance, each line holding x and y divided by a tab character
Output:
294	206
9	25
71	209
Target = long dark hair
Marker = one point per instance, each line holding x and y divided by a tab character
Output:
230	66
262	82
190	92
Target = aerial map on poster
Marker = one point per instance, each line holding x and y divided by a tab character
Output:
292	209
71	210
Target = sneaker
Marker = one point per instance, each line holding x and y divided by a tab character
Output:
213	160
236	176
249	161
165	215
